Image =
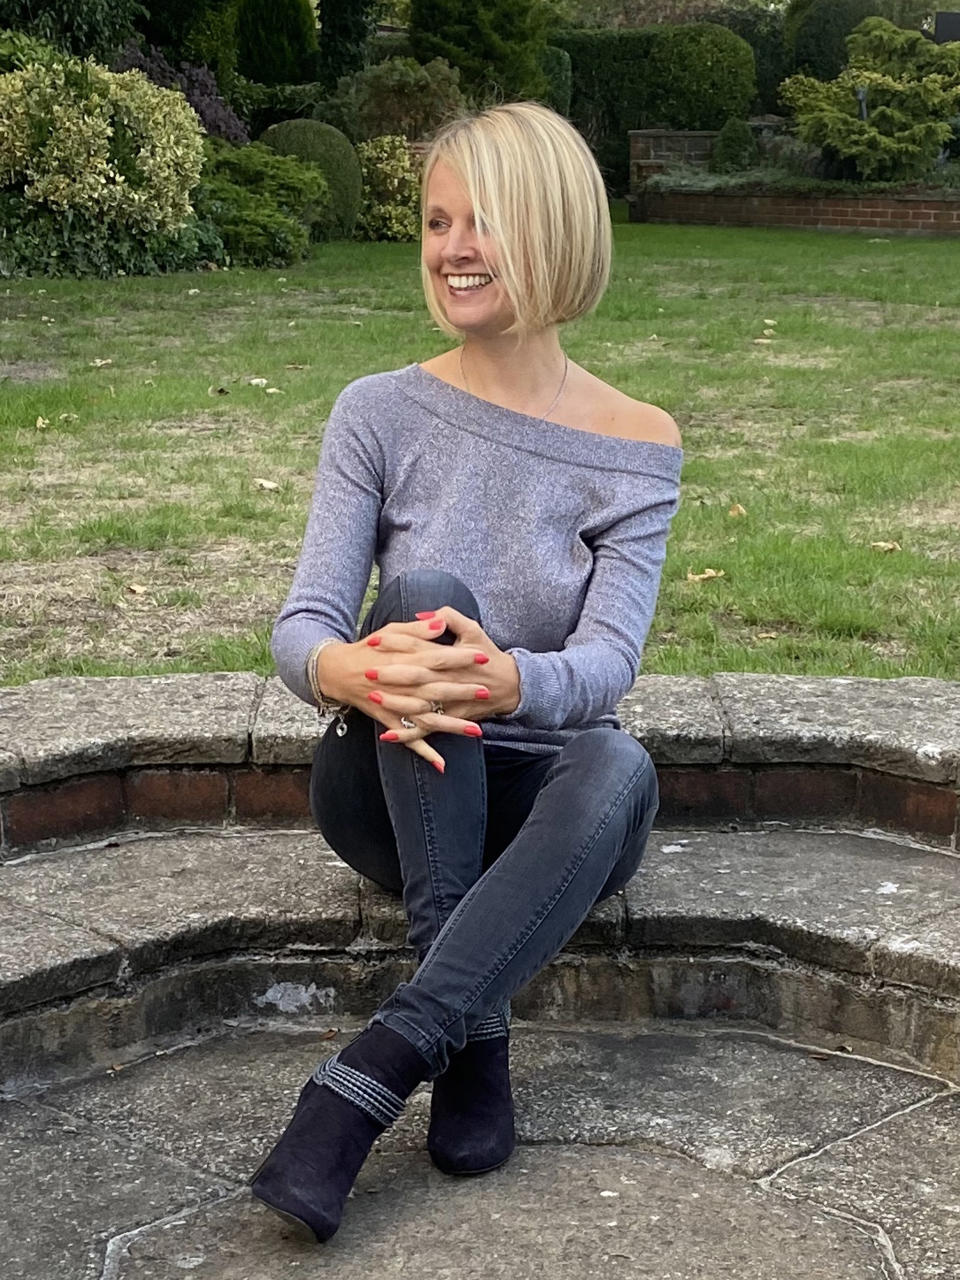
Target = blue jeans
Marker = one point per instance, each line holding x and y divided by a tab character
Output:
498	860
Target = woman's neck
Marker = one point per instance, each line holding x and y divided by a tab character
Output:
499	370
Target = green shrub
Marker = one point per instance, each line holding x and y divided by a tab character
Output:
390	207
35	241
912	93
261	105
700	75
276	40
84	28
398	96
254	231
295	190
18	50
333	152
347	24
79	139
735	147
388	44
820	49
763	30
556	66
782	182
495	44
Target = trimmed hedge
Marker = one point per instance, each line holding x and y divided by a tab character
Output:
675	77
333	153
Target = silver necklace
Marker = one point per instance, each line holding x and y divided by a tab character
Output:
553	402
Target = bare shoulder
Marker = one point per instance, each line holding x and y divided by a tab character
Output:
617	414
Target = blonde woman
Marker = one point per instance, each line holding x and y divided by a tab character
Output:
518	509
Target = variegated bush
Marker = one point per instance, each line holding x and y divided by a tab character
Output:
77	138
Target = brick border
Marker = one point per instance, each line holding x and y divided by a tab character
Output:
909	214
62	814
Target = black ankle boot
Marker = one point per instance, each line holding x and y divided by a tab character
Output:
471	1113
343	1108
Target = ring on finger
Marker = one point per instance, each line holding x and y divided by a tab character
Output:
437	708
407	724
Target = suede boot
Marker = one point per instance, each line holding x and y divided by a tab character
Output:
350	1100
471	1112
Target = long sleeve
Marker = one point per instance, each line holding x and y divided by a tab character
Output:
600	658
339	544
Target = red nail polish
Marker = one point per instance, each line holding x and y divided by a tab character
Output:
438	765
438	625
473	731
482	693
389	736
371	674
375	697
430	613
481	658
374	640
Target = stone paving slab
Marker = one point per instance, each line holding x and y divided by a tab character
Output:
677	718
68	1187
567	1213
824	897
168	898
43	958
903	1174
640	1134
88	724
928	954
735	1101
286	730
9	771
909	725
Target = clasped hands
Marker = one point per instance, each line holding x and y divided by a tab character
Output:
398	671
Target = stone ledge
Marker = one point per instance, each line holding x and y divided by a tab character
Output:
852	934
58	728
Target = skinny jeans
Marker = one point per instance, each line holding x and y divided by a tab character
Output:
498	860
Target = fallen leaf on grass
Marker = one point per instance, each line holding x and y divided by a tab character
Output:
737	510
769	322
217	391
887	546
191	292
68	417
272	391
41	423
265	484
296	366
100	364
762	341
257	382
767	635
707	573
136	589
769	333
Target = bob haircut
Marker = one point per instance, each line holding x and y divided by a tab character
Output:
537	192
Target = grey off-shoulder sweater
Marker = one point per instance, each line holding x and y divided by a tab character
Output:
559	533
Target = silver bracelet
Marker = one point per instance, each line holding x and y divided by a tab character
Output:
325	706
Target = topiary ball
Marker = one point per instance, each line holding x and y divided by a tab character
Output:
333	152
734	148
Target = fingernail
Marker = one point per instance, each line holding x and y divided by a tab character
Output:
371	674
438	765
482	693
389	736
473	731
374	640
375	697
438	625
481	658
430	613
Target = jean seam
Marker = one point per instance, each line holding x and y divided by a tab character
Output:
576	864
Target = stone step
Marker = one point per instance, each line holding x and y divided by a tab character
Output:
651	1150
107	947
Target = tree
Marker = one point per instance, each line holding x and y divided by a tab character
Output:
497	44
345	27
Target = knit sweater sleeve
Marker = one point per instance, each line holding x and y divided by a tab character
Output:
600	658
339	545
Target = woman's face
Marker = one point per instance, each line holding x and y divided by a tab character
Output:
453	250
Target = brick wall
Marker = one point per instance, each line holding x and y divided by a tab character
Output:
907	214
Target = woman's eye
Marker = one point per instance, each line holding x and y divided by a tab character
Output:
433	223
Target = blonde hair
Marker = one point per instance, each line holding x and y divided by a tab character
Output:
536	190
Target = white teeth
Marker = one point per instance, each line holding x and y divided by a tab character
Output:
467	282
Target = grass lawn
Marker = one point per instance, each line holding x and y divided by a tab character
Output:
815	379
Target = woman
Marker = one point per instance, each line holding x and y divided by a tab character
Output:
518	509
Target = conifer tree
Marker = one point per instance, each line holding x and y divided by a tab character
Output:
497	44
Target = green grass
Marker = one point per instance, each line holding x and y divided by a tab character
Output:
134	536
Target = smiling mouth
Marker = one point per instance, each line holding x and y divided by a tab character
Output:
467	282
